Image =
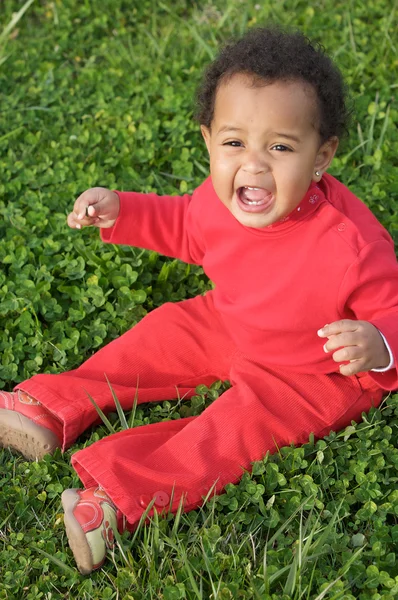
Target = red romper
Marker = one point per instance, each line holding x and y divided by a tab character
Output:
274	288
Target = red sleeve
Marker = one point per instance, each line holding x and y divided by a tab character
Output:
161	223
370	291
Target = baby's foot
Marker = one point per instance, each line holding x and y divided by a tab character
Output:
28	427
90	519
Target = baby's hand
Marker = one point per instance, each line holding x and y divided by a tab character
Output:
96	206
358	342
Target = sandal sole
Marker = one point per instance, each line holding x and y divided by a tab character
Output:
76	536
25	436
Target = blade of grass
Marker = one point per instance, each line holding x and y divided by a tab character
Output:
4	522
15	19
188	571
291	580
329	587
119	408
386	35
142	520
177	519
372	126
224	18
102	416
54	560
311	579
134	407
155	537
182	555
351	30
209	51
384	128
347	156
128	559
284	525
360	135
176	177
265	572
201	168
208	568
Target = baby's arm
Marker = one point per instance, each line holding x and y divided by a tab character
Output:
358	342
97	206
369	291
161	223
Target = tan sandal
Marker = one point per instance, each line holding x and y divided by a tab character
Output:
27	426
90	521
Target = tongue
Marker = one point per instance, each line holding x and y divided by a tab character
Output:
253	195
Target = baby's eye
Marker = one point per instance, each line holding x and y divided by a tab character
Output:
281	148
233	143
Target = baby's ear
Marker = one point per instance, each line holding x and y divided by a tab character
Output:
324	157
206	136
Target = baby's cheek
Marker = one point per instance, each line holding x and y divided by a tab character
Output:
222	188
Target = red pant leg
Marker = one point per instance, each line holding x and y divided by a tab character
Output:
262	411
168	353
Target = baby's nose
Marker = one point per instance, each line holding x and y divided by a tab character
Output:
255	164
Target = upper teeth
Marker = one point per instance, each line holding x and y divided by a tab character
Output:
251	188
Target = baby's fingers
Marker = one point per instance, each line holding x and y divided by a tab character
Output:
352	368
77	221
83	207
342	326
342	340
347	354
73	221
90	211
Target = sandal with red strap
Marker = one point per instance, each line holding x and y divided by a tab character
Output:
27	426
90	519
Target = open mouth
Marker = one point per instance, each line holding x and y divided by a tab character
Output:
253	199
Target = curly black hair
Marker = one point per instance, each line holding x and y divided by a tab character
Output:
272	54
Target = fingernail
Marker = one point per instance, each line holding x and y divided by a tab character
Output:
325	349
321	332
81	215
78	226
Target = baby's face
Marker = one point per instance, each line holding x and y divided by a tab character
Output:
264	148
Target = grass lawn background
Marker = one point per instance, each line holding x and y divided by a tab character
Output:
101	93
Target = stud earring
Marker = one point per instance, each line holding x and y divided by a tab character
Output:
317	173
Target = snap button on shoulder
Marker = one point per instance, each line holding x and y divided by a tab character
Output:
161	498
144	501
341	227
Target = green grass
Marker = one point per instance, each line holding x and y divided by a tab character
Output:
100	93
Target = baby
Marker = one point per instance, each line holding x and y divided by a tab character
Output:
302	320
